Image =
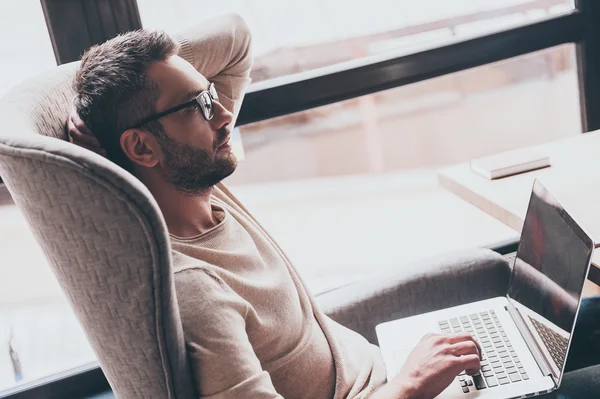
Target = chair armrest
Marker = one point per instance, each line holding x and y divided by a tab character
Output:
579	384
444	281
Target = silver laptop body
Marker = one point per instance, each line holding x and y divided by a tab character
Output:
525	335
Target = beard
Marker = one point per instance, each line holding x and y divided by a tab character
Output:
193	170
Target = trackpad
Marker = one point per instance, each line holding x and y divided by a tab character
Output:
398	338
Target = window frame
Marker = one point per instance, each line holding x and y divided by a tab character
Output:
311	89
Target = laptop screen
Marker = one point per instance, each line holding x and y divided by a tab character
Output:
551	267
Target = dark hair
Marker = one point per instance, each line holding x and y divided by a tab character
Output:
113	91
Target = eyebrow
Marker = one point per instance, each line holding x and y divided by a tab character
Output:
189	96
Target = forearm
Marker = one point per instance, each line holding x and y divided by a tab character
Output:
394	389
221	49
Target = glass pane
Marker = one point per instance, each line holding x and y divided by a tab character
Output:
522	101
291	37
376	158
39	335
24	42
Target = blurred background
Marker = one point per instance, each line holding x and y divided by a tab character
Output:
343	170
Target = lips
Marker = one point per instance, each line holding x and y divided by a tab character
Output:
224	143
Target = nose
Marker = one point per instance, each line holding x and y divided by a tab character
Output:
222	116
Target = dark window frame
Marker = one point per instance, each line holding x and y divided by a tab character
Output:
304	91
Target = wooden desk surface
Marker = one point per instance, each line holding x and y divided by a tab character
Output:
573	178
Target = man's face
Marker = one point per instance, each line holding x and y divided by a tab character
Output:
195	153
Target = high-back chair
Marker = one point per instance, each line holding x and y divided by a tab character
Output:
104	237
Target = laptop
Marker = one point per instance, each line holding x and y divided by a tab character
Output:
525	336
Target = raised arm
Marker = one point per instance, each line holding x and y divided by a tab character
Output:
220	49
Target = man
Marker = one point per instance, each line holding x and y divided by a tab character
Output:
164	111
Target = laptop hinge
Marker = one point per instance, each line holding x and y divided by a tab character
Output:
530	341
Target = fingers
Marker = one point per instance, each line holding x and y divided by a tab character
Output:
80	125
70	128
465	348
76	138
77	122
464	337
467	352
78	135
469	363
460	337
78	130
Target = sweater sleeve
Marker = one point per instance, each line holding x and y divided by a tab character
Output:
221	49
223	361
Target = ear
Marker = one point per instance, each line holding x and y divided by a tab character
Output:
140	147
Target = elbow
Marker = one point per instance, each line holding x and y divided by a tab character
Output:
240	25
242	51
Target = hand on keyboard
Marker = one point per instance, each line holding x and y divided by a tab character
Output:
433	364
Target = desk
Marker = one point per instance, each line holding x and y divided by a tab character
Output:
573	178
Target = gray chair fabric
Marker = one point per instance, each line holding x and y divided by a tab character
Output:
430	284
104	237
579	384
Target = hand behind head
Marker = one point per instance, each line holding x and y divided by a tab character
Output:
79	134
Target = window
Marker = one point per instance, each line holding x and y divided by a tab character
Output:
300	36
441	121
39	335
24	42
356	168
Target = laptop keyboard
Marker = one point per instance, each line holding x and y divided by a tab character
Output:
555	343
500	364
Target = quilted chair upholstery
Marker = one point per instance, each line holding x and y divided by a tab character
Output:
104	237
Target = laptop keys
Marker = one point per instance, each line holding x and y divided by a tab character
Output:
500	364
514	377
445	327
479	382
491	382
554	342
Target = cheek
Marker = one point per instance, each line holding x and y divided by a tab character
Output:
192	131
201	136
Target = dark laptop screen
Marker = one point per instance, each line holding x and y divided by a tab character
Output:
552	261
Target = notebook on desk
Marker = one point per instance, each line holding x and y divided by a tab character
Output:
510	163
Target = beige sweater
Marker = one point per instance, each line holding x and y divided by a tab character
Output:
251	327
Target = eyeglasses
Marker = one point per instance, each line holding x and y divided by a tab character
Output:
204	101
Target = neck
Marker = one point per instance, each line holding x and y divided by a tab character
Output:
185	215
